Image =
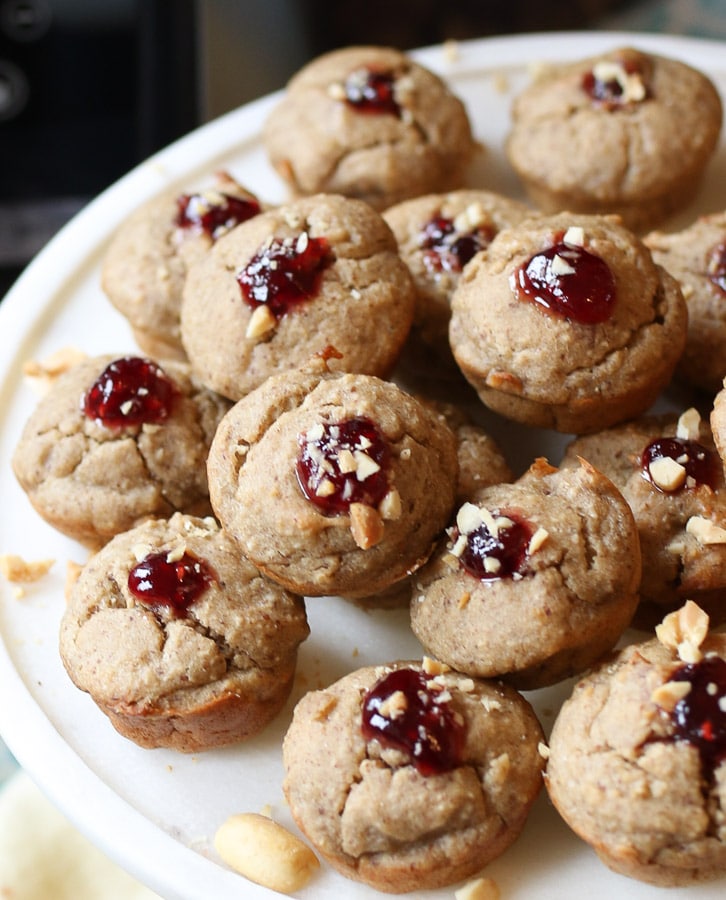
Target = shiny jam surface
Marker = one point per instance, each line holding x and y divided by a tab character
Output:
371	91
173	584
343	463
501	552
214	213
700	717
404	712
716	266
448	250
284	273
568	281
701	464
130	391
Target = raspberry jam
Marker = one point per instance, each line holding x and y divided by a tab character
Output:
449	250
214	213
568	281
716	266
284	273
161	582
343	463
130	391
496	548
700	717
404	712
701	465
371	91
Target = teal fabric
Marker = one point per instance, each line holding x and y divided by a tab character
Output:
691	18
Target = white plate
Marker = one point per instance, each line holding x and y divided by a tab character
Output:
155	812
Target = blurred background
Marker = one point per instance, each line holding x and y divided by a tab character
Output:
89	88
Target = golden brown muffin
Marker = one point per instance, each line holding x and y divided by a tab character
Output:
637	757
624	132
410	776
566	322
536	580
371	123
179	639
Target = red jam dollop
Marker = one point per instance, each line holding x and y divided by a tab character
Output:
568	281
449	250
403	711
343	463
284	273
372	91
701	464
130	391
700	716
161	582
616	84
716	266
498	551
214	213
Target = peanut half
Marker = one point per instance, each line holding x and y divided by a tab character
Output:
265	852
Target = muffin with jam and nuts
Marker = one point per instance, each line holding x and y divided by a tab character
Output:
637	756
145	266
333	483
669	471
116	440
411	776
535	580
566	322
624	132
317	272
178	639
371	123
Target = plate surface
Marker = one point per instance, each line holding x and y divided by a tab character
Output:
155	812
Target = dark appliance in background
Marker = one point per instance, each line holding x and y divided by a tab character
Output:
90	88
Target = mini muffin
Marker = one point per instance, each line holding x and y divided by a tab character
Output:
145	266
637	757
669	471
566	322
696	257
437	236
369	122
409	776
333	483
320	271
536	580
178	639
625	132
114	441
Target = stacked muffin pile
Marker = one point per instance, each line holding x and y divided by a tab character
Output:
266	454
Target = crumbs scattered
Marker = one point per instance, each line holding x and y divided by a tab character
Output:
22	571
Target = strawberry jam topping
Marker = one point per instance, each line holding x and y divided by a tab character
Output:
371	91
449	250
701	465
343	463
716	266
214	213
700	716
285	272
569	282
492	546
130	391
405	712
165	581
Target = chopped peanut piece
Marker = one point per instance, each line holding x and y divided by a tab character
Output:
23	571
684	631
668	695
265	852
667	474
261	322
479	889
705	531
366	525
689	425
